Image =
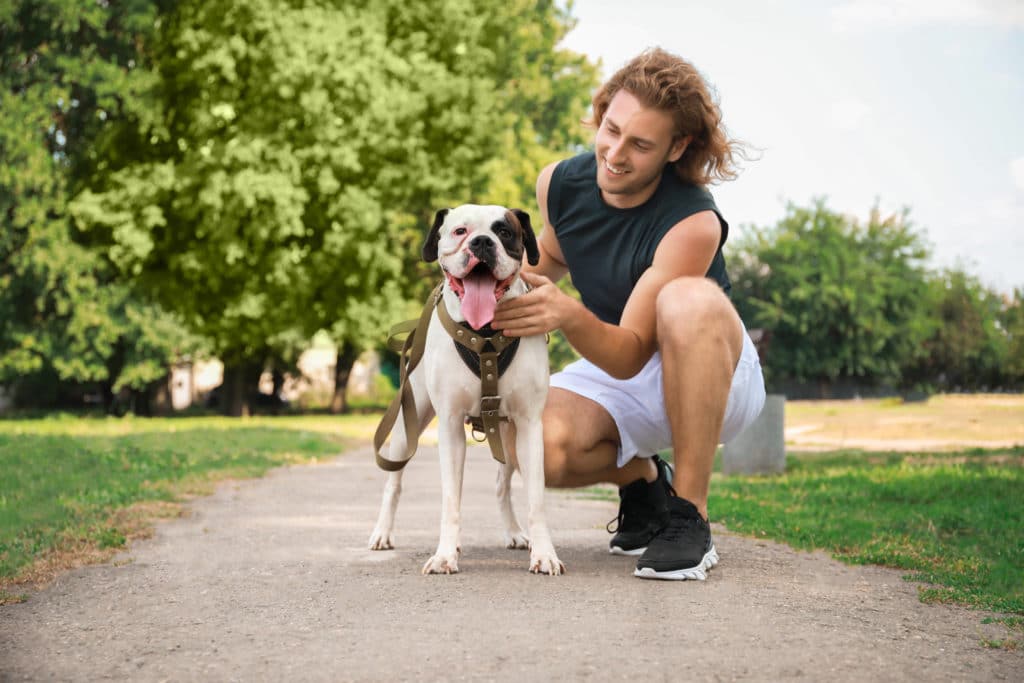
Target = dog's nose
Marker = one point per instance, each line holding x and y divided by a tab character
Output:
484	249
480	242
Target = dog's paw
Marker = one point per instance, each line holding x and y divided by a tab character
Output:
516	540
442	564
381	540
546	563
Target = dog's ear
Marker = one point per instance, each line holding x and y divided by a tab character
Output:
430	246
529	239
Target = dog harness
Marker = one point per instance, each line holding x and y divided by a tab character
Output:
485	352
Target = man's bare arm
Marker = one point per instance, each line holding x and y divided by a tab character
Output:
620	350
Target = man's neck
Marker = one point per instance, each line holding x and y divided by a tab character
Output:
631	200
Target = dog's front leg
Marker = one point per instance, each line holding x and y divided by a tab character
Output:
451	446
530	453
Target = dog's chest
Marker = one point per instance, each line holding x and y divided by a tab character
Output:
451	384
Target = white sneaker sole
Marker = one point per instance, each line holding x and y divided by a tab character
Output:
616	550
698	573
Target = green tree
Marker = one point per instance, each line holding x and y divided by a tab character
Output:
968	347
843	300
300	154
68	73
1012	322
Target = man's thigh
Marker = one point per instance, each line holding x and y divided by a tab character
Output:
576	423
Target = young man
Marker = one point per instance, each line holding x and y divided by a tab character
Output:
666	361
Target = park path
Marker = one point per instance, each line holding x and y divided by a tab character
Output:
270	580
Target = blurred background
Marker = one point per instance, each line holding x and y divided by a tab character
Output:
218	206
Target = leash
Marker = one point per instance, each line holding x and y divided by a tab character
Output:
487	349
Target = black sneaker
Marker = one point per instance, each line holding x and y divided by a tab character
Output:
643	511
682	550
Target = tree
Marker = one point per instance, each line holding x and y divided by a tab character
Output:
967	349
1012	322
843	300
67	74
300	153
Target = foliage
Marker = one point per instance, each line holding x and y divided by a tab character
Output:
302	148
1011	320
967	349
843	300
66	75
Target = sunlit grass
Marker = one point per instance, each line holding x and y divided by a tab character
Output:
953	521
72	487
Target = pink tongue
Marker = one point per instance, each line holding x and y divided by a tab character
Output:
478	301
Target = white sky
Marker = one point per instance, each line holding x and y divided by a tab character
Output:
913	103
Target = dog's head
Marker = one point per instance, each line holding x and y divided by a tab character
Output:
480	249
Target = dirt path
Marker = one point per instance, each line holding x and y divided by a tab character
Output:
270	580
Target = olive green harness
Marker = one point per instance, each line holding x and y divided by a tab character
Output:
489	350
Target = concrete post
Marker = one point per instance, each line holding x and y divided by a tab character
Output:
761	447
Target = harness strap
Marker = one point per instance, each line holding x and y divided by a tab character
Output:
410	353
488	348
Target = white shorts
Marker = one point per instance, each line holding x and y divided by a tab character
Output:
637	404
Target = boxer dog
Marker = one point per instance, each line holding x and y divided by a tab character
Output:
480	250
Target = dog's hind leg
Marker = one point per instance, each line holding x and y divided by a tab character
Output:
382	536
530	453
513	534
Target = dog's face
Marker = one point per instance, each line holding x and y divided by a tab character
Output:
480	249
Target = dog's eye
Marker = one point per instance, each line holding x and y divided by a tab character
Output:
459	231
503	233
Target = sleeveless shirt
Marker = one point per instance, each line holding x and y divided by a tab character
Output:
606	248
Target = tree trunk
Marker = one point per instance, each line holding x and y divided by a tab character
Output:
347	355
241	383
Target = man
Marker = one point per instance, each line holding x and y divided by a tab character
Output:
666	361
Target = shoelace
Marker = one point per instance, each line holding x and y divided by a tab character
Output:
617	519
680	521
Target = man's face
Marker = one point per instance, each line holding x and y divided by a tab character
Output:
633	145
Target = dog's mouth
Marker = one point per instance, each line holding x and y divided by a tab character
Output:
479	293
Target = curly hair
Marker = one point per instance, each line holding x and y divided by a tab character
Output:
661	80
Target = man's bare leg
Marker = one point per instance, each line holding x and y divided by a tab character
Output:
700	340
581	445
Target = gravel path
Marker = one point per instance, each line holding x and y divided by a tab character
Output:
269	580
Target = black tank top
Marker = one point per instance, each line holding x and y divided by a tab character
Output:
608	249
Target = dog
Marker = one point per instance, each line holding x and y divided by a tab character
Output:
480	250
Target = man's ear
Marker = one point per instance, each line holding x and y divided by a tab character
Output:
529	239
430	246
678	147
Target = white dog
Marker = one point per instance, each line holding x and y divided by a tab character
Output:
480	249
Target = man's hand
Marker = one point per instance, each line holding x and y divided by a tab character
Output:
543	309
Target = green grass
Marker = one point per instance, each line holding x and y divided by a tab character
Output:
64	481
954	521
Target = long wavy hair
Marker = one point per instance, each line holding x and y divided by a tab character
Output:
662	80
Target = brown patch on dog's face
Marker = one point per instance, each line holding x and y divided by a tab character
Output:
522	236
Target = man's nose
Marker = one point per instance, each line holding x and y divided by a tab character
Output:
615	151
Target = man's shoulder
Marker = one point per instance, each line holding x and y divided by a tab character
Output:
583	165
679	193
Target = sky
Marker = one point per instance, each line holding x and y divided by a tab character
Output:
913	104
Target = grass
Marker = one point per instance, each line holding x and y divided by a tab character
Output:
953	521
73	490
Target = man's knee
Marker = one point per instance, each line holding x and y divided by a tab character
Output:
557	446
688	307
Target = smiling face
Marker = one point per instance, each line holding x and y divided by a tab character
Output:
632	146
480	249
